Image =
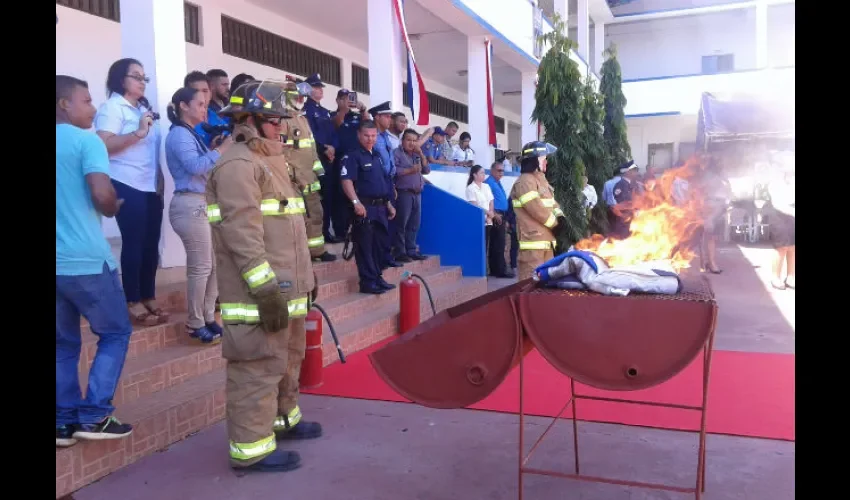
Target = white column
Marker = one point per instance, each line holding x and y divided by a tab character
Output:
477	95
152	31
598	47
346	81
761	34
385	49
562	8
529	129
583	33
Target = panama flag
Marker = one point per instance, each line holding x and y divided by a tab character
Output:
491	115
415	86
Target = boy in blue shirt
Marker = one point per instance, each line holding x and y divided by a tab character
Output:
86	273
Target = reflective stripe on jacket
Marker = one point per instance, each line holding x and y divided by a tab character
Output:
537	212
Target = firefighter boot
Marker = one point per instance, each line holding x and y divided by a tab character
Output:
301	429
276	461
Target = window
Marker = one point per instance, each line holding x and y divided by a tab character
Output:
360	79
107	9
500	124
192	23
253	44
719	63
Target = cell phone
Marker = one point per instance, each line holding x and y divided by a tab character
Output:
352	98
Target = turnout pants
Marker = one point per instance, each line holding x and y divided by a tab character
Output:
528	260
262	386
315	216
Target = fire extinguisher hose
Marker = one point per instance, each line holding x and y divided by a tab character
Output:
333	332
427	289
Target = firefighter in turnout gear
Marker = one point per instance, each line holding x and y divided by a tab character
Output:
265	280
301	154
538	215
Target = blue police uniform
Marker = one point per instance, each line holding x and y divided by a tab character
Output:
384	146
347	142
325	134
370	235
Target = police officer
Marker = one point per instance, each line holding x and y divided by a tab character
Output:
302	157
620	213
324	132
382	115
265	279
368	188
347	120
538	216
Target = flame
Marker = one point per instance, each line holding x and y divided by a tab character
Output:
660	227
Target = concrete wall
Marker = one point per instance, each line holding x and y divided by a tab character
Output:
665	47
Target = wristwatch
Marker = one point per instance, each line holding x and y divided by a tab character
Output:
355	202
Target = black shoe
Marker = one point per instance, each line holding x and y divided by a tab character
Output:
403	258
325	257
393	263
301	430
383	284
332	239
418	256
372	288
276	461
109	428
65	436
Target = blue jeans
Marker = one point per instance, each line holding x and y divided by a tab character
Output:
140	224
100	299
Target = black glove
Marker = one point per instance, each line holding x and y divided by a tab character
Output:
274	312
560	227
315	293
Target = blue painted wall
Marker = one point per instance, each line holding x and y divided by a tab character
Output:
453	229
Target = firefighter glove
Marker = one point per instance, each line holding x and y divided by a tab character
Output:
274	313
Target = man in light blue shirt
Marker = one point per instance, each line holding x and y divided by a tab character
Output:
86	273
498	235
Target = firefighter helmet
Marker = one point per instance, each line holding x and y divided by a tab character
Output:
537	148
258	98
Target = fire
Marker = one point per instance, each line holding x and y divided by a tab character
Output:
660	227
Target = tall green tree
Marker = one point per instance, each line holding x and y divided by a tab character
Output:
596	163
611	86
559	108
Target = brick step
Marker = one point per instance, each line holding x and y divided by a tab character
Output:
346	281
159	420
143	340
192	403
158	370
376	324
348	306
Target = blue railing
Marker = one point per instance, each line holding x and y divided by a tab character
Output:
453	229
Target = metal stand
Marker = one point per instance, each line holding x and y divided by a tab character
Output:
523	459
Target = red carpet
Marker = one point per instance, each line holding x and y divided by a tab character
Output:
750	394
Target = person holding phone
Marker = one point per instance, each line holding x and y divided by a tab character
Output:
125	123
346	119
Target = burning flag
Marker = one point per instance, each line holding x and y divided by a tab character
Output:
662	224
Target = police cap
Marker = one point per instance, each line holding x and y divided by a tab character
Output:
381	109
315	80
629	165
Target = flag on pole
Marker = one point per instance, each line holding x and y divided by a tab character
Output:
491	115
418	98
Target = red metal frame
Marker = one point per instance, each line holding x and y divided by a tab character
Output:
524	459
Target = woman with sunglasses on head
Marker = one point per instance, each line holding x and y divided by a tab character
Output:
125	122
190	162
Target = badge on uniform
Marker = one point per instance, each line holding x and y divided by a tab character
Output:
344	171
618	191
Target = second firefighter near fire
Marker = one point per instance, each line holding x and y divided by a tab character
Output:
256	206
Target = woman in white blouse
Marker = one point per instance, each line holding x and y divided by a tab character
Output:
479	194
462	154
125	122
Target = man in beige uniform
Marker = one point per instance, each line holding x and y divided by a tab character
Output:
537	212
304	160
265	278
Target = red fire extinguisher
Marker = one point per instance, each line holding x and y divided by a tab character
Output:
312	366
408	316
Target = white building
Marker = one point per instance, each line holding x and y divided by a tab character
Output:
670	52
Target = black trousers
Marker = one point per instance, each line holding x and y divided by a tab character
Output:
370	238
496	248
